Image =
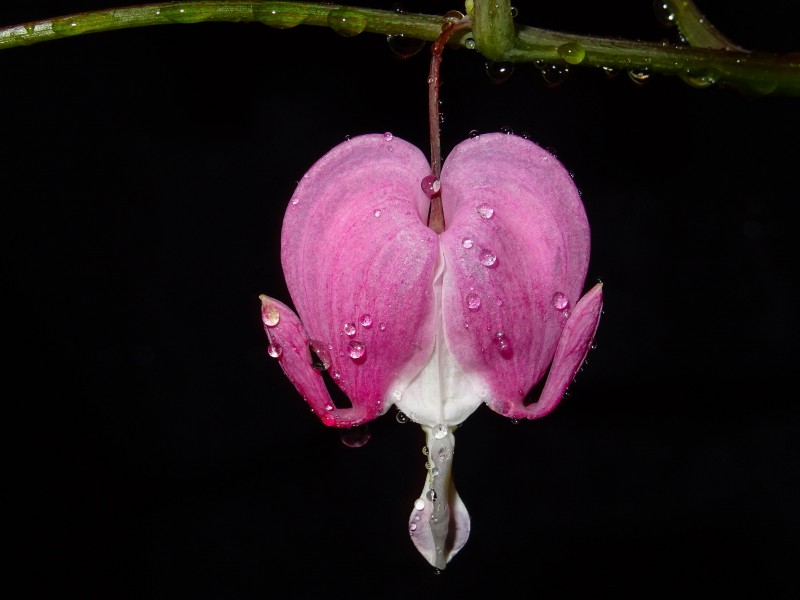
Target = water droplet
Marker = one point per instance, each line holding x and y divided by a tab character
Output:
572	53
700	79
336	375
404	47
181	14
347	21
419	504
467	243
469	43
554	75
269	314
401	417
275	350
444	455
329	407
487	257
356	349
382	326
431	495
501	341
663	13
610	72
499	72
377	212
425	450
295	200
507	130
431	185
639	76
388	136
566	314
560	301
413	526
349	328
318	356
485	211
65	27
454	15
440	431
278	16
473	301
365	320
428	465
355	437
515	421
474	134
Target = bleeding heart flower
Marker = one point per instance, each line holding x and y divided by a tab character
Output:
435	324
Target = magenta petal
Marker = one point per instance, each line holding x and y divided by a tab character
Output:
575	342
359	263
516	249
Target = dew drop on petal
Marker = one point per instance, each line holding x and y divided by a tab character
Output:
444	454
485	211
388	136
329	407
355	437
560	301
295	200
473	301
431	185
356	349
319	358
435	472
349	328
419	504
440	431
566	314
365	320
274	350
270	314
401	417
425	450
474	134
501	341
431	495
467	243
383	326
413	526
487	257
377	212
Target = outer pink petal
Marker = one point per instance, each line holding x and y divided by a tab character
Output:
576	339
356	251
289	339
516	247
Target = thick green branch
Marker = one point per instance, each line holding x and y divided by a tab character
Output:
718	61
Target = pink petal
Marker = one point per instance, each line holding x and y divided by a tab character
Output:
358	258
516	247
290	342
574	344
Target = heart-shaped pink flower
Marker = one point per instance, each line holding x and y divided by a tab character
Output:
435	324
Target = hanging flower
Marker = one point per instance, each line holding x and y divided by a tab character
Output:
435	324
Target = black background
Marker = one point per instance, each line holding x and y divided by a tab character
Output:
162	453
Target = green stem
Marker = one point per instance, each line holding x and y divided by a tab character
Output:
754	71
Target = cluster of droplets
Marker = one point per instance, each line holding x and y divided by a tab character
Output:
271	317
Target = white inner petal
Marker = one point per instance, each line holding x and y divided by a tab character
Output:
441	392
